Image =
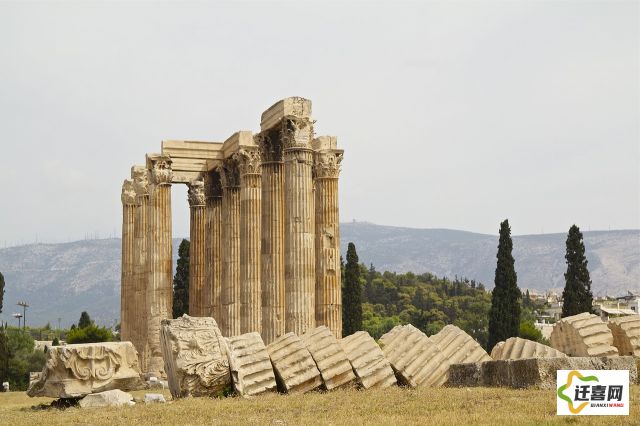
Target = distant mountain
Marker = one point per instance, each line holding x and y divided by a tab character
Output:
62	280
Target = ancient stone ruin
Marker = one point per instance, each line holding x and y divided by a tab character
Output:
371	367
584	334
626	334
518	348
264	225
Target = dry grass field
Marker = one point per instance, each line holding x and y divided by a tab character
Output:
476	406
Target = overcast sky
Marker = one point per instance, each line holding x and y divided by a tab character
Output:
451	114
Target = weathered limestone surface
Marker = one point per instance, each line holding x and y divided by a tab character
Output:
533	372
250	235
414	357
250	364
138	323
371	367
230	292
455	346
328	283
195	355
584	334
74	371
127	285
110	398
294	367
213	250
294	106
518	348
197	246
626	334
329	356
159	258
272	247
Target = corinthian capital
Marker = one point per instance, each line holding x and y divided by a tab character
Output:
230	173
296	132
128	195
160	167
269	145
212	184
196	193
140	178
327	164
249	161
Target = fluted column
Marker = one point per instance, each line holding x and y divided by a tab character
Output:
250	224
328	277
299	225
213	246
159	289
127	286
197	258
230	292
272	247
138	329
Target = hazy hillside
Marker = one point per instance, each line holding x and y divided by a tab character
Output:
61	280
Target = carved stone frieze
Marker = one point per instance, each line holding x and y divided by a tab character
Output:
195	194
128	195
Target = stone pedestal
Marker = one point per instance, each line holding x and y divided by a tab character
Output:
197	259
138	321
127	286
230	292
250	224
328	286
213	249
159	288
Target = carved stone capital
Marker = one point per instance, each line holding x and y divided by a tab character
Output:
140	178
249	161
213	184
296	132
196	194
327	164
230	173
128	195
269	145
160	167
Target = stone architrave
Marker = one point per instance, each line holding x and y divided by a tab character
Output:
139	319
371	367
127	285
213	249
159	258
272	228
294	367
250	235
197	208
328	292
250	364
518	348
73	371
195	357
332	361
626	334
584	334
230	291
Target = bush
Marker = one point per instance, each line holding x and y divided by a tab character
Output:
529	331
22	358
90	334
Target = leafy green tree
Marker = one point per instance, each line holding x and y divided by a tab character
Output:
22	358
85	320
529	331
351	294
90	334
181	281
504	316
55	342
577	296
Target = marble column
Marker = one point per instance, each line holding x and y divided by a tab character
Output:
230	291
138	330
272	247
328	277
160	248
299	227
250	224
197	207
213	246
127	308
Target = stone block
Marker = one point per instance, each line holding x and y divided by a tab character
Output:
584	334
251	368
294	367
154	398
195	356
288	107
533	372
371	367
335	368
626	334
73	371
518	348
111	398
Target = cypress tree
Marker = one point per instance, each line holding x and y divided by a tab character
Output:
351	294
1	291
85	320
504	315
181	281
577	296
